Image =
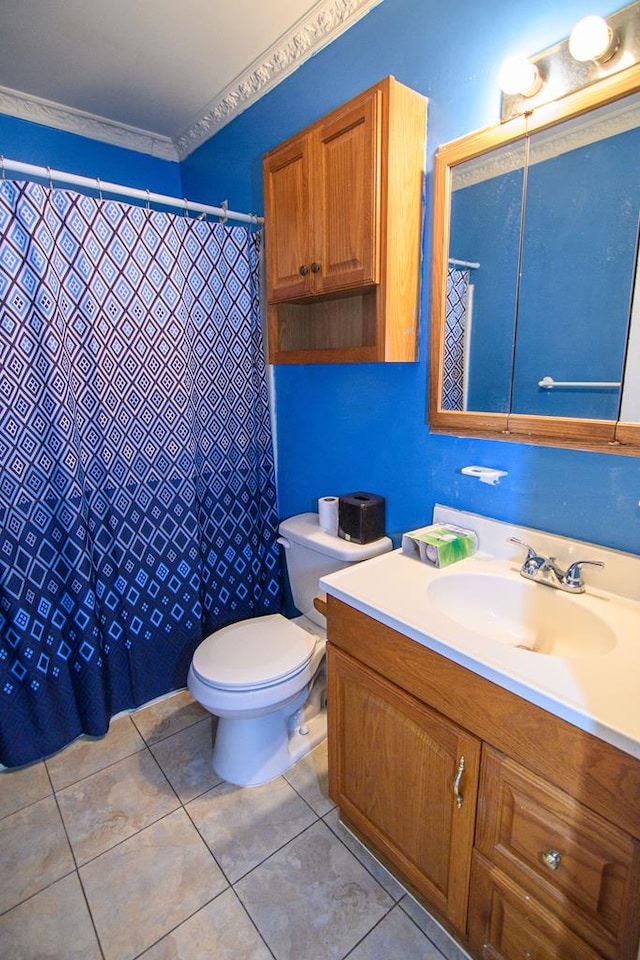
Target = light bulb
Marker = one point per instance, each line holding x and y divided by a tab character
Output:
592	39
519	76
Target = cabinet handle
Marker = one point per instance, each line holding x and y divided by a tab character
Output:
456	783
315	267
551	859
304	270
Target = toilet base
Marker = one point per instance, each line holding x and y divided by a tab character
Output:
250	752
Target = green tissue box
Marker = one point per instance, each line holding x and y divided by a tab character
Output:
440	544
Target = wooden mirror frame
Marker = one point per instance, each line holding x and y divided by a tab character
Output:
600	435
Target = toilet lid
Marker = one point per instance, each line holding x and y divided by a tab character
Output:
253	653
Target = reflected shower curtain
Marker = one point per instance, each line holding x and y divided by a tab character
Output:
453	384
137	495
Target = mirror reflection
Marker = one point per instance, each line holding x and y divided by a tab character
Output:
542	253
482	283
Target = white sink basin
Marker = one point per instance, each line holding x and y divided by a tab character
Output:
522	614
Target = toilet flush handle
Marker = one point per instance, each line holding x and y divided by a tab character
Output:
284	542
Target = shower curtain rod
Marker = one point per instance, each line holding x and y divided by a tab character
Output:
469	264
46	173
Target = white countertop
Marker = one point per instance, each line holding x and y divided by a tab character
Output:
599	693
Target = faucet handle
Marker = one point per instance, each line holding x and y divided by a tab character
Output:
531	553
573	576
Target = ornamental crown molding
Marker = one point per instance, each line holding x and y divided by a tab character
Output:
323	24
37	110
307	37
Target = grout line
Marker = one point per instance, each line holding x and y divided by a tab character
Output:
252	922
86	776
37	892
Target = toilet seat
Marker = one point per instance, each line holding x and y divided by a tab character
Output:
253	654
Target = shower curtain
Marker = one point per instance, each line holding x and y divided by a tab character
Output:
137	492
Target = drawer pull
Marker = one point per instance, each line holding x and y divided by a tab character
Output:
456	783
551	859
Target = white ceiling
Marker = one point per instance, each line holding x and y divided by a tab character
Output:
159	76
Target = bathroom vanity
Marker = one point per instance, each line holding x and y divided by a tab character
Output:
501	785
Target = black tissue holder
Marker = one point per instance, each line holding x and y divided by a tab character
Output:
361	517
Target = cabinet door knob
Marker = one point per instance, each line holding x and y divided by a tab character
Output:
457	782
551	859
304	270
315	267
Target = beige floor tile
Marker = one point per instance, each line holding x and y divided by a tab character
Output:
396	937
115	803
313	899
446	944
244	825
185	759
34	851
145	887
87	755
221	930
382	875
21	786
53	925
310	778
167	716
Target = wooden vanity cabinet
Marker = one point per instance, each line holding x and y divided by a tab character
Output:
343	214
544	861
398	761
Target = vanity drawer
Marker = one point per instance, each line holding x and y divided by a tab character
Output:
505	923
579	865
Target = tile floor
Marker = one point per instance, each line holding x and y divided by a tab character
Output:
130	846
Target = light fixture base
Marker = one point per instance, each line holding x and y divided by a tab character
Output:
564	75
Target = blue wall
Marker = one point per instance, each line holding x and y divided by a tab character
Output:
348	427
34	143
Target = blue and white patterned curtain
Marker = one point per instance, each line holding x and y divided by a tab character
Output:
454	339
137	495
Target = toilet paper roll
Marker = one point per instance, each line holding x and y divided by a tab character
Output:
328	515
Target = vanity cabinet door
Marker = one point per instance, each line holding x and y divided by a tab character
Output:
405	778
572	863
506	923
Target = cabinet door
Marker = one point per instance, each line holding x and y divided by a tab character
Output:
346	184
288	225
507	924
395	767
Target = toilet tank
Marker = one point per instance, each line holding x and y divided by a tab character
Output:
311	553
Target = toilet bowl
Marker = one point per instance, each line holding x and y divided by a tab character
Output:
265	679
256	677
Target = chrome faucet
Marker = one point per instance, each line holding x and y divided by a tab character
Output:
545	570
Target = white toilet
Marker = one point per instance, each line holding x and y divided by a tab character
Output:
265	678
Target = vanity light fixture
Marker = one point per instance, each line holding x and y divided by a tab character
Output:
593	39
518	75
595	49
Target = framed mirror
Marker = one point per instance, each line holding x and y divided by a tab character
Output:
535	324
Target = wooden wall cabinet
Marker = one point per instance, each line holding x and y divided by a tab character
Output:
532	849
343	220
